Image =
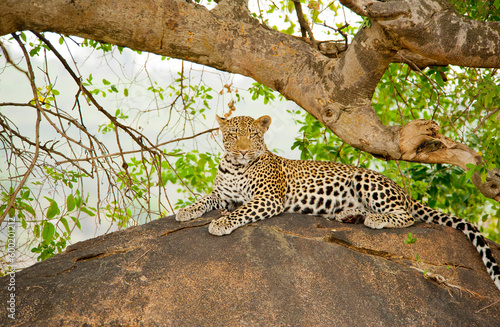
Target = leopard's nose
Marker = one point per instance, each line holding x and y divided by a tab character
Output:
243	152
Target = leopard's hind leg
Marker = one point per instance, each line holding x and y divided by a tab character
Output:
385	202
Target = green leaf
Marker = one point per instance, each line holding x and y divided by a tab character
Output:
87	211
470	172
105	81
48	232
70	202
125	92
28	208
34	52
410	239
78	199
484	174
66	225
53	209
77	222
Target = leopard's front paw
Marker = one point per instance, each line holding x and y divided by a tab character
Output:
186	214
221	226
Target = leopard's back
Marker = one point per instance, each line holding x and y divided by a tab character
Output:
339	191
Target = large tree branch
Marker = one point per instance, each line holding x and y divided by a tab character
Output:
337	91
434	29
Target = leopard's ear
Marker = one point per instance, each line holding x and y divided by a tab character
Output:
221	121
263	123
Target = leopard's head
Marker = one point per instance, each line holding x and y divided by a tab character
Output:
243	137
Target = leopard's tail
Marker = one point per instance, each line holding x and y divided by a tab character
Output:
429	215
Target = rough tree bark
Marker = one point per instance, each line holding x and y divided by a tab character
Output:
337	91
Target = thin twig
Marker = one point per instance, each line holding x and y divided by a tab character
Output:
49	151
31	76
9	60
486	307
127	129
139	258
485	119
402	177
141	150
339	30
442	281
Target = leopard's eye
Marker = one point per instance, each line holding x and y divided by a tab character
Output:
228	136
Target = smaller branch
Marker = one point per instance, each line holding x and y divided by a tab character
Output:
304	26
16	104
30	74
188	137
300	15
161	186
141	150
49	151
79	143
9	60
403	178
339	30
126	129
148	180
485	119
124	162
116	154
415	61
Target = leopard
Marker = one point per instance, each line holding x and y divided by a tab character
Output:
253	184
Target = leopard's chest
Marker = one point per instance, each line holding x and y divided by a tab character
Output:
233	186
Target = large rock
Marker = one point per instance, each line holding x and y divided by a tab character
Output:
290	270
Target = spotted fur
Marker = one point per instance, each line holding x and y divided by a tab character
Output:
255	184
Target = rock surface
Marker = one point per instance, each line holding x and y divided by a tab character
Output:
291	270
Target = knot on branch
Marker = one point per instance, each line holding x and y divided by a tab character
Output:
491	187
420	141
332	49
387	10
236	10
417	137
358	6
